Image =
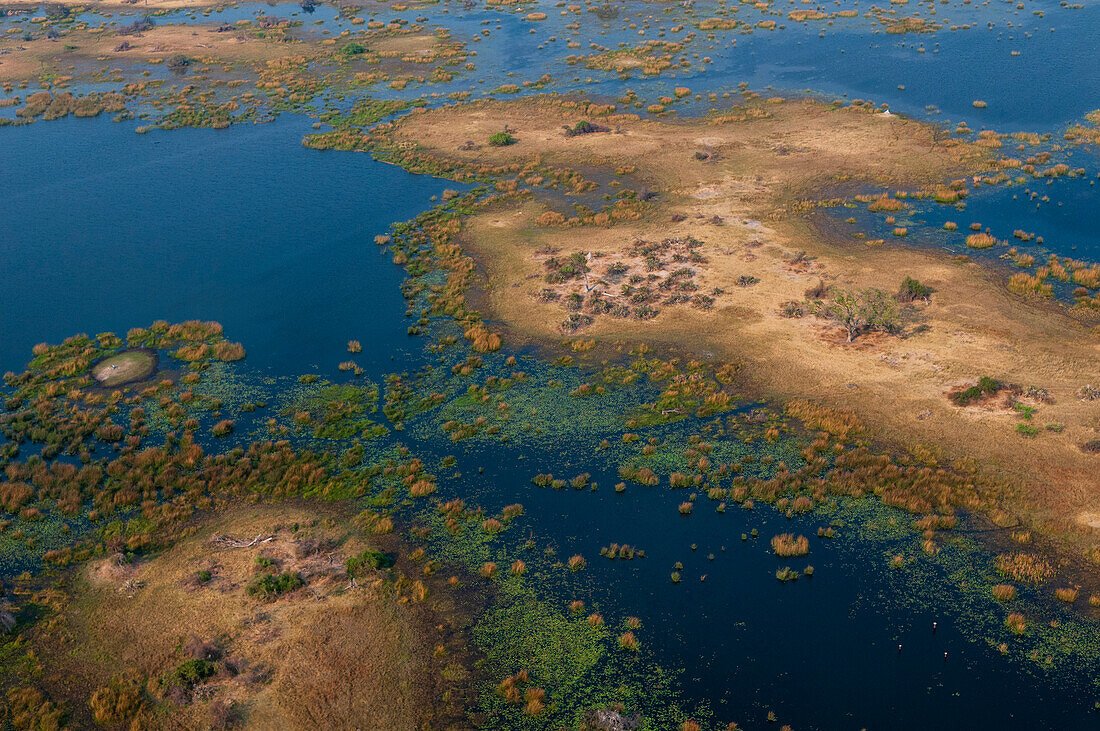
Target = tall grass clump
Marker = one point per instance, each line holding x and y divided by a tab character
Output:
787	544
981	241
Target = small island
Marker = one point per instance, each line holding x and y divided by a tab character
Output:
128	366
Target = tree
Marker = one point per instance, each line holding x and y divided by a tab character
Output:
845	309
880	311
865	309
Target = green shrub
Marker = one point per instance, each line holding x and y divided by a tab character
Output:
1027	430
270	586
189	674
502	139
986	387
368	559
912	290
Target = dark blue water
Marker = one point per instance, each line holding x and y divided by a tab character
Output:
821	652
104	229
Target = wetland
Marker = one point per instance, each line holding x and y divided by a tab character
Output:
528	365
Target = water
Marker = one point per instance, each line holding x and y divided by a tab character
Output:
105	229
821	652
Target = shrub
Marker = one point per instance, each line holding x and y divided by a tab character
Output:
368	559
179	61
583	127
501	139
189	674
912	290
986	387
271	586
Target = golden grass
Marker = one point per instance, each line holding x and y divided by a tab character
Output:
1028	567
1004	592
981	241
338	657
787	544
1067	594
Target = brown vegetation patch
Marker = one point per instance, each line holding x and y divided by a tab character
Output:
339	650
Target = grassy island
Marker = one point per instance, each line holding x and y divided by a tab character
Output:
711	245
129	366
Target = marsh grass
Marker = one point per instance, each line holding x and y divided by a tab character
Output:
786	574
787	544
1024	567
629	642
1067	594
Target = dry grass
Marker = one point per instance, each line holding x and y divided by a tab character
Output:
1067	594
1026	567
1004	592
336	658
787	544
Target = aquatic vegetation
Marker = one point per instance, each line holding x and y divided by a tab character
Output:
981	241
629	642
1067	594
787	544
1016	623
1024	567
1004	592
1027	284
786	574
